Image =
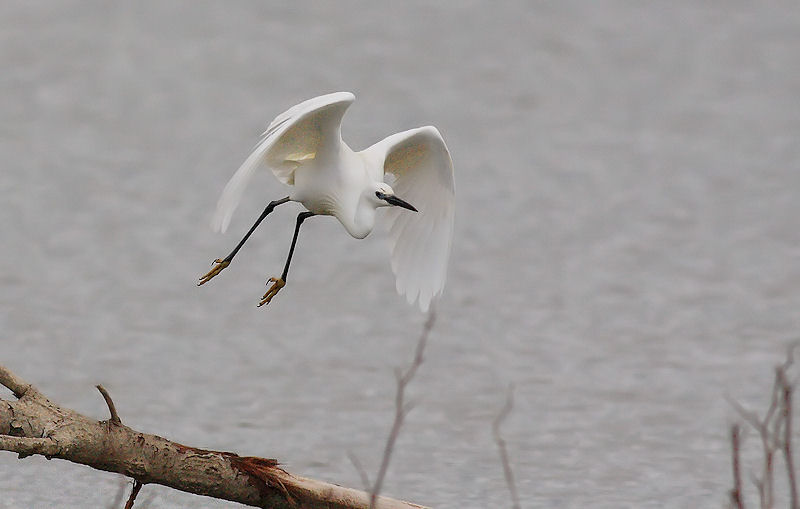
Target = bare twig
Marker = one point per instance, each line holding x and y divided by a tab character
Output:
111	408
360	469
736	493
769	444
135	491
786	390
775	431
401	409
501	446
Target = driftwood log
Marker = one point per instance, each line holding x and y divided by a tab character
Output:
31	424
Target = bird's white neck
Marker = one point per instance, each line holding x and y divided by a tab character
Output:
361	223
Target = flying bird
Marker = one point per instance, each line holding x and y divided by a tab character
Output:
304	149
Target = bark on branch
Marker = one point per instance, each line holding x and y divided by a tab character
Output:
31	424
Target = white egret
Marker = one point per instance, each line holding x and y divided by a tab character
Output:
303	147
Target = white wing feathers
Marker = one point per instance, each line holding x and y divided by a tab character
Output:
295	135
423	171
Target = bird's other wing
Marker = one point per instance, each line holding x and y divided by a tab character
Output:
423	175
295	136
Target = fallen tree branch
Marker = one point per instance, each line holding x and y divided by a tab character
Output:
32	425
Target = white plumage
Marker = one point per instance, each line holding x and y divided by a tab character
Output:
304	149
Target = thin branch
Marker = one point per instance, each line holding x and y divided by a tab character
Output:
401	409
736	493
766	486
749	416
786	389
111	408
17	385
501	446
135	491
769	442
360	469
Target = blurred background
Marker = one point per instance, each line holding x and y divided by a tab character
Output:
627	247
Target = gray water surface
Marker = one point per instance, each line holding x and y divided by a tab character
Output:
627	249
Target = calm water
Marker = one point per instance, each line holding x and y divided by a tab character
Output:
627	248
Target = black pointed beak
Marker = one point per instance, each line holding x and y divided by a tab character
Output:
394	200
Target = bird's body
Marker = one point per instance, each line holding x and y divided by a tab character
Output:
304	149
333	186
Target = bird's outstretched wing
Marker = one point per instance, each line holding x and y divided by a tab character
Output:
295	136
423	175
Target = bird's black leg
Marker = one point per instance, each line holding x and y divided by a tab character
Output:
278	283
300	218
221	264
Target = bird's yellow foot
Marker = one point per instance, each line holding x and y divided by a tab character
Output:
220	264
277	284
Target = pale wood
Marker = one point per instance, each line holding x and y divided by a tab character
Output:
33	425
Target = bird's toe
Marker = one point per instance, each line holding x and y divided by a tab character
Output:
277	284
220	265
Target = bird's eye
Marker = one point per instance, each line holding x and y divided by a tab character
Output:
378	194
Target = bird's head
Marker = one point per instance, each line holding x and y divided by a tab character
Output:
383	196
